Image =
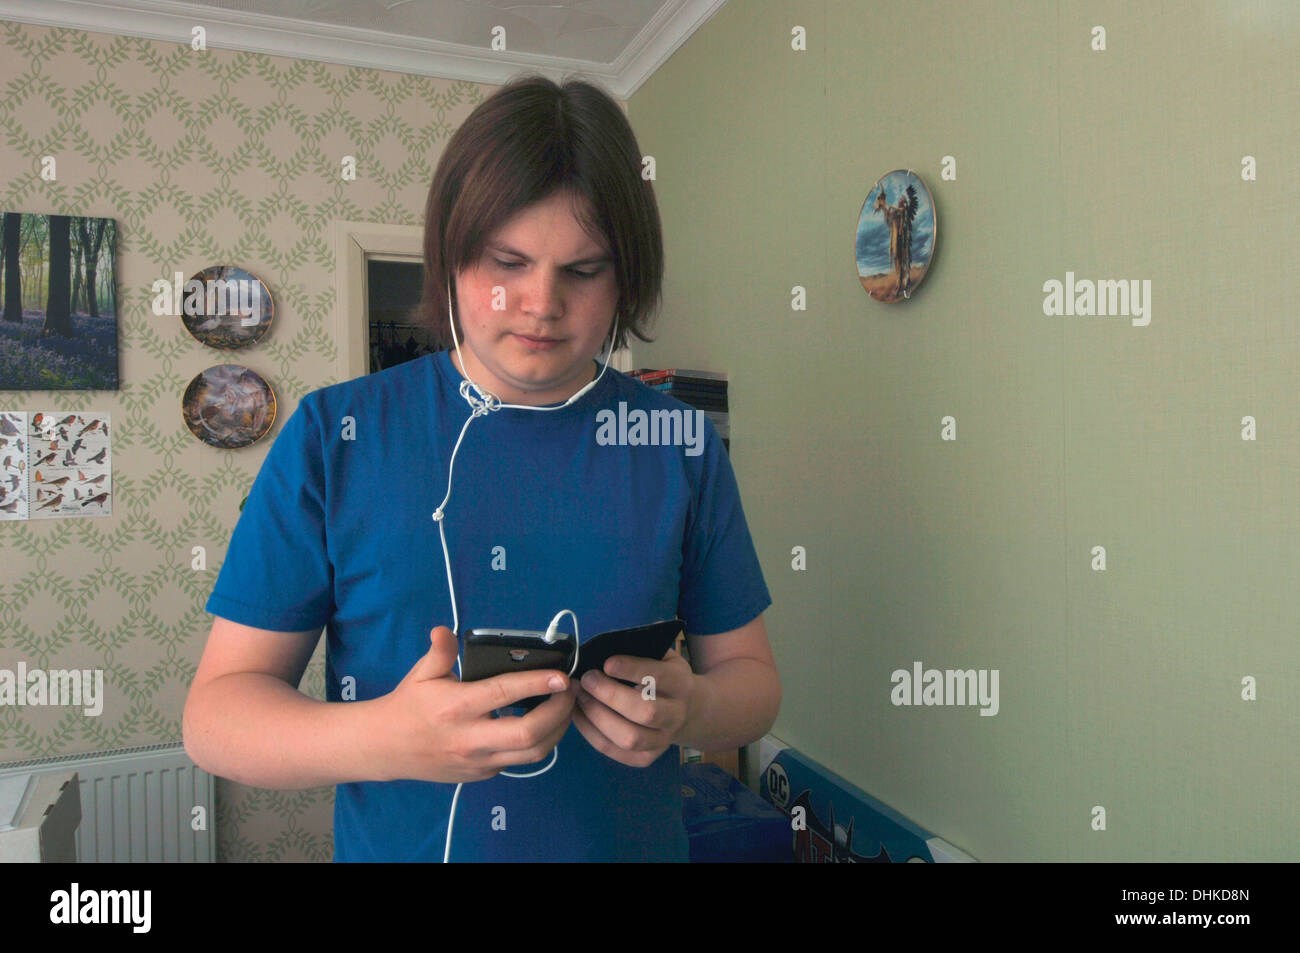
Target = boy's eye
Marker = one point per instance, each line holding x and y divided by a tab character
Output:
512	265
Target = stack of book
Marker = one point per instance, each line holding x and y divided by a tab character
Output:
704	390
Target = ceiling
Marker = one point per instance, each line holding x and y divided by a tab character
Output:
617	42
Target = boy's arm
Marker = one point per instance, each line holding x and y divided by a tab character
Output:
245	719
730	699
737	691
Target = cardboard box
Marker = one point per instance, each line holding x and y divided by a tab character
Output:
835	821
46	832
728	823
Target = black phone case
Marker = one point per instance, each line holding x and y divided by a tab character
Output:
487	656
644	641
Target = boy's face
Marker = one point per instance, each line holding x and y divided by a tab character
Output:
556	309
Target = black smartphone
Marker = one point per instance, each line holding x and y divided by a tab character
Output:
490	652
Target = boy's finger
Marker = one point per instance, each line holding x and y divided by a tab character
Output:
440	660
503	691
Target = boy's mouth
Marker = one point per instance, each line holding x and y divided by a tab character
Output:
537	343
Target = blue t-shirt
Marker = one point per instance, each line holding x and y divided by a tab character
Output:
548	511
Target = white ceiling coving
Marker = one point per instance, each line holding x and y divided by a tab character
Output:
618	42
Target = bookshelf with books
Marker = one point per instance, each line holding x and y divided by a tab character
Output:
703	390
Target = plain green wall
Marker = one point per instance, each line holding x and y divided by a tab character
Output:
1119	688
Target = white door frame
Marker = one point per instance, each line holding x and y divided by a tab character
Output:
356	243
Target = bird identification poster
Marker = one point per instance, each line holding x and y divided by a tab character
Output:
54	465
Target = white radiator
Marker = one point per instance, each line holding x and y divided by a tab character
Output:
137	804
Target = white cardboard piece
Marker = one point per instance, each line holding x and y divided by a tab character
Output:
46	831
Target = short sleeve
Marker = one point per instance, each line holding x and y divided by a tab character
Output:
722	586
277	574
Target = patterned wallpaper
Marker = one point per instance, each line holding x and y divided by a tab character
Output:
203	158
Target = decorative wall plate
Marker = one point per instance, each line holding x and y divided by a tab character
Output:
228	406
896	235
226	307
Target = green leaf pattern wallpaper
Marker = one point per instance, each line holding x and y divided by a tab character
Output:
202	158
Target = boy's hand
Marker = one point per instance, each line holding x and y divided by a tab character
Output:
622	722
433	727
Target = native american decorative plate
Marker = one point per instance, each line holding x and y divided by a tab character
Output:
228	406
226	307
896	233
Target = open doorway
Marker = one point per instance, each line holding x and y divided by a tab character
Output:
396	333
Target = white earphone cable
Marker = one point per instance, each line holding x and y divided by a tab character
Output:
480	406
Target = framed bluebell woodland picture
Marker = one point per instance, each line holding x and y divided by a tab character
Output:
58	302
